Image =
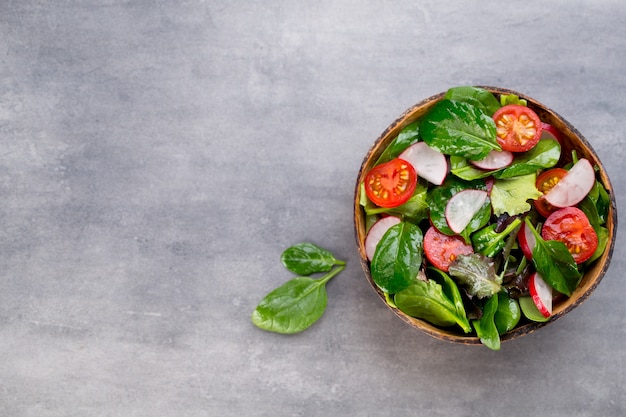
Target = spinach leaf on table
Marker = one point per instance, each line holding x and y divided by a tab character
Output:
307	258
458	128
295	305
398	257
301	301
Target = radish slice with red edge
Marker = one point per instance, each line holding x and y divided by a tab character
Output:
574	186
429	163
462	208
541	294
376	232
550	132
494	160
526	240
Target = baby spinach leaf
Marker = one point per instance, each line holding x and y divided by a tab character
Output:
486	329
488	242
508	313
554	263
463	169
600	198
426	300
545	154
511	195
407	137
452	293
438	198
603	240
295	305
477	274
398	257
458	128
479	97
307	258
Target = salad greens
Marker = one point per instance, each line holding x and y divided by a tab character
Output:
298	303
480	292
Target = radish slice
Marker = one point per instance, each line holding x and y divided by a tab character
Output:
494	160
574	186
462	208
376	232
550	132
541	294
526	240
429	163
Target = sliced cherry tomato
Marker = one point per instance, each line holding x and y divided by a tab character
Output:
441	250
391	184
545	182
518	128
571	226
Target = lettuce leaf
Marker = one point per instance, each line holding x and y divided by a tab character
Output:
511	195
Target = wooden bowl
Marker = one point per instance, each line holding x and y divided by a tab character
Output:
572	139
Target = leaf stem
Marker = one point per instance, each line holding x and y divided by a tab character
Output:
332	273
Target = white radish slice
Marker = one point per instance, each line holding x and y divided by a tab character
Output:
494	160
550	132
574	186
541	294
429	163
462	208
526	240
376	232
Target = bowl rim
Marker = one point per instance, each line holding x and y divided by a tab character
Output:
593	275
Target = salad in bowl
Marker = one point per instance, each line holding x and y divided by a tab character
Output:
482	215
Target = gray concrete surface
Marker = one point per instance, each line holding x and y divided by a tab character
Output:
156	157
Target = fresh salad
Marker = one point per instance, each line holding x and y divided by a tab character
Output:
476	219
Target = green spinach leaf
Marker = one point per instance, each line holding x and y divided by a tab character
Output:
554	263
452	293
398	257
479	97
426	300
295	305
463	169
545	154
458	128
488	242
307	258
407	137
508	313
486	329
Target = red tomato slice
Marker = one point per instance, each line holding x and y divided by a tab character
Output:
571	226
441	250
391	184
518	128
545	182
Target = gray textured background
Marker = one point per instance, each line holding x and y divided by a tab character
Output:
156	157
